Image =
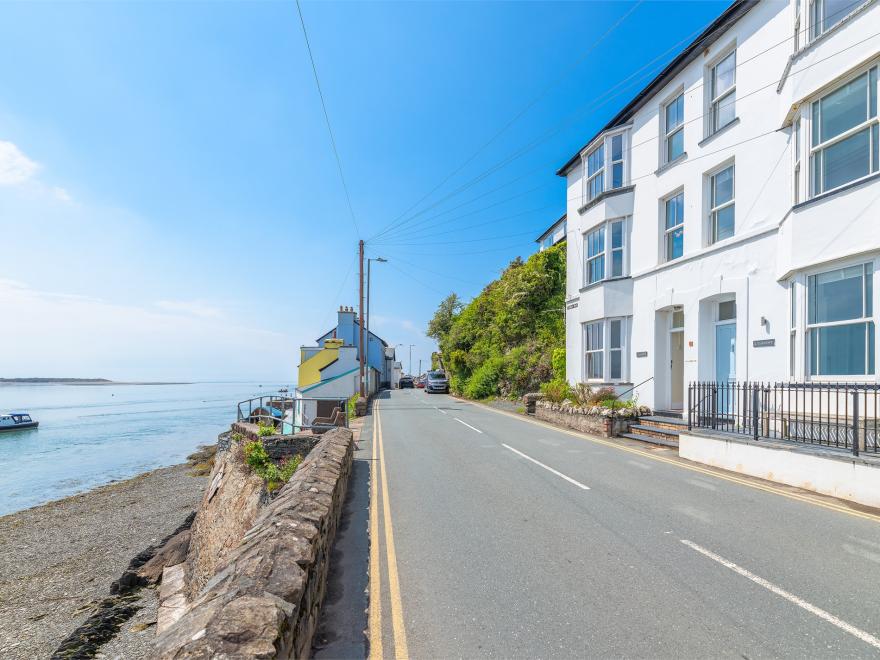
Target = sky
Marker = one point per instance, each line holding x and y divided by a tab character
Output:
170	205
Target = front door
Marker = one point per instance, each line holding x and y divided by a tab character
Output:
676	366
725	361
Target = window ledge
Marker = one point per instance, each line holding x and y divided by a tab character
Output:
733	122
608	193
831	193
671	163
605	281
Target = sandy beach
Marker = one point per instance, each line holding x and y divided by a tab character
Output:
60	559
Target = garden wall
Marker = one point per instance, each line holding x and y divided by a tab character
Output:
594	420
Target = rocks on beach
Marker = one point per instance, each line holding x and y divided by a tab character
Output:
61	559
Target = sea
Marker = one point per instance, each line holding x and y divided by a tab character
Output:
90	435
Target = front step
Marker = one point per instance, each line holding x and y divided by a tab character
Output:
671	423
649	439
675	414
655	432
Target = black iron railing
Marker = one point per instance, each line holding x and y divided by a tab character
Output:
289	414
839	415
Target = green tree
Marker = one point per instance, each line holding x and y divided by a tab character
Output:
503	341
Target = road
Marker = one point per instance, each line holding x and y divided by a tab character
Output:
498	536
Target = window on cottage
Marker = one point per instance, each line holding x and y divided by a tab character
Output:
617	248
825	14
617	161
674	137
840	325
596	255
593	353
845	134
727	310
722	207
723	93
797	160
596	172
615	349
674	235
797	25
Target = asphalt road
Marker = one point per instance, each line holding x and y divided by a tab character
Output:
495	536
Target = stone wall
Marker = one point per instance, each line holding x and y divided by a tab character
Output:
266	596
229	508
593	420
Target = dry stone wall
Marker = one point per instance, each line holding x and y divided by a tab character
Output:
265	598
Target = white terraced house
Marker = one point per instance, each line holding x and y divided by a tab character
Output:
725	225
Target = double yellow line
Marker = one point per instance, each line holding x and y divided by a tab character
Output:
376	643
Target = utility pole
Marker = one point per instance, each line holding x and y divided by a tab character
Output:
361	347
410	359
420	367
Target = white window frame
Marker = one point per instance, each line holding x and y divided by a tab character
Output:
872	124
715	208
796	169
864	319
797	25
608	250
792	330
714	99
591	350
603	351
667	231
669	134
818	25
600	172
606	170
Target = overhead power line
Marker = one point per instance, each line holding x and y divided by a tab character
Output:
327	121
515	118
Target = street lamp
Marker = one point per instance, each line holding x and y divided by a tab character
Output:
366	350
410	358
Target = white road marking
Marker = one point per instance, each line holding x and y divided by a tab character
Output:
547	467
441	410
800	602
466	424
701	484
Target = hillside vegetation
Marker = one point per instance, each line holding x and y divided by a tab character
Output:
506	341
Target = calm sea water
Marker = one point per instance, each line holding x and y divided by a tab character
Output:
93	434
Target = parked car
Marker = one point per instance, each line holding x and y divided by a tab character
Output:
420	382
405	382
437	381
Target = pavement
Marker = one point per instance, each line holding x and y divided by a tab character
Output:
499	536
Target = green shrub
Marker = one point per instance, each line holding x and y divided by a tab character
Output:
350	406
558	362
237	437
556	391
265	429
484	381
275	475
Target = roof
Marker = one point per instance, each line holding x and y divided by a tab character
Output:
550	229
707	37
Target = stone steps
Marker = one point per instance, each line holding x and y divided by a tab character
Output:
657	430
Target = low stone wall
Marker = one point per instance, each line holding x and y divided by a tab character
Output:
266	596
530	400
596	421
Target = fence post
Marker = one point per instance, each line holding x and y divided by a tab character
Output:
755	399
714	406
855	427
690	424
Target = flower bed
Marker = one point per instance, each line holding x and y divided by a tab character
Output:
597	420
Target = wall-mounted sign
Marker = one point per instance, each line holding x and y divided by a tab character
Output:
641	353
760	343
572	305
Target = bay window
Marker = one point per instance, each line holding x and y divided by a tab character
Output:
792	331
674	132
840	325
605	360
674	222
605	166
844	134
722	99
722	208
605	245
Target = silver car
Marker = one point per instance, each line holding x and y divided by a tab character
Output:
437	382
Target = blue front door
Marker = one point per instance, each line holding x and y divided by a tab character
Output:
725	362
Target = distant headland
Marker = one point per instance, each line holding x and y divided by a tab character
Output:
82	381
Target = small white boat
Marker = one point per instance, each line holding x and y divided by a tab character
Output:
14	421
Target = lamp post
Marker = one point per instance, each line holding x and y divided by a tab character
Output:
410	358
381	260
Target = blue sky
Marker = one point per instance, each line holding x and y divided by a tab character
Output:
169	201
